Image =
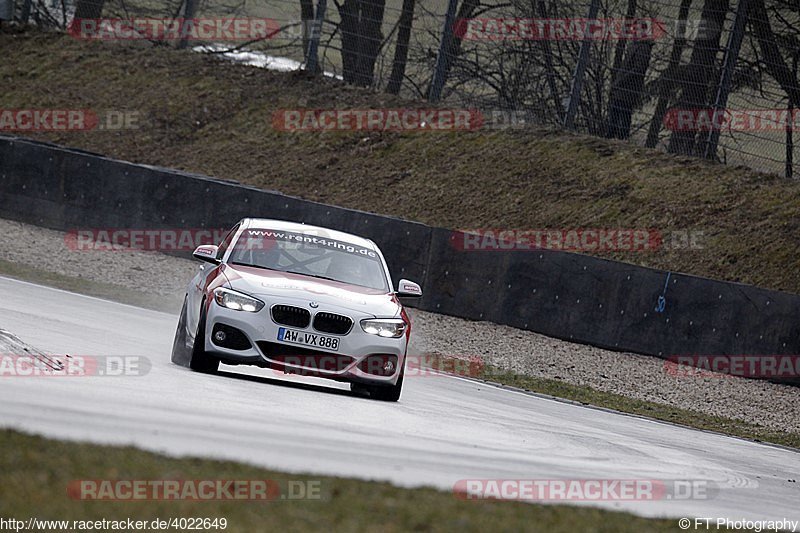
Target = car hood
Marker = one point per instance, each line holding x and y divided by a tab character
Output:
282	287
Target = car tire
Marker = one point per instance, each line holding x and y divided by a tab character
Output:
181	354
387	393
201	361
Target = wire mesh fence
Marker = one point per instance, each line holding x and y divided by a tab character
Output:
716	79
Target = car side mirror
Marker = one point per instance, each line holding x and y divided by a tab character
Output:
207	253
408	289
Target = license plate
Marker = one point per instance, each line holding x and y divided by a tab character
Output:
308	339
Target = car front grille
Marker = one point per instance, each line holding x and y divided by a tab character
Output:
289	315
332	323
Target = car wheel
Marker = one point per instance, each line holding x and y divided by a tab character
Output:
387	393
202	361
181	355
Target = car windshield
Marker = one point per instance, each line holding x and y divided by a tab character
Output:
311	255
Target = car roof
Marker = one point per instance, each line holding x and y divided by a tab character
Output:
296	227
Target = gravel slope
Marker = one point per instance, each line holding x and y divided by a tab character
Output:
47	250
636	376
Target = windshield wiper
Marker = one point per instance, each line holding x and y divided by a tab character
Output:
316	276
255	266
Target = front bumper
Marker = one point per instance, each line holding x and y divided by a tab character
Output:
267	351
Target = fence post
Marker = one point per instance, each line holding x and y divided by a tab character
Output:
312	64
728	67
437	84
189	12
580	69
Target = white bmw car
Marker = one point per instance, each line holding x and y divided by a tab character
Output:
298	299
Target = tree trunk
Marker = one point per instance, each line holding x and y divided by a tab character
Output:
453	46
618	105
701	73
771	57
360	25
401	48
348	13
666	82
619	50
777	68
550	71
626	93
371	38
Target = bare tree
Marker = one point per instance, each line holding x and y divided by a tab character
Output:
627	90
401	48
772	60
453	46
360	27
698	84
667	82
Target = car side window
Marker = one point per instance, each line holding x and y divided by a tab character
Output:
226	242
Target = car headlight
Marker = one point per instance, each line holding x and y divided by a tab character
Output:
384	327
237	301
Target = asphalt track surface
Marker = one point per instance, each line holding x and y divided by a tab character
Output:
444	429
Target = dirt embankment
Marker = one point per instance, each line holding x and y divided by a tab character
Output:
200	114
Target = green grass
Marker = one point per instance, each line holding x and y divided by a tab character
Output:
35	473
